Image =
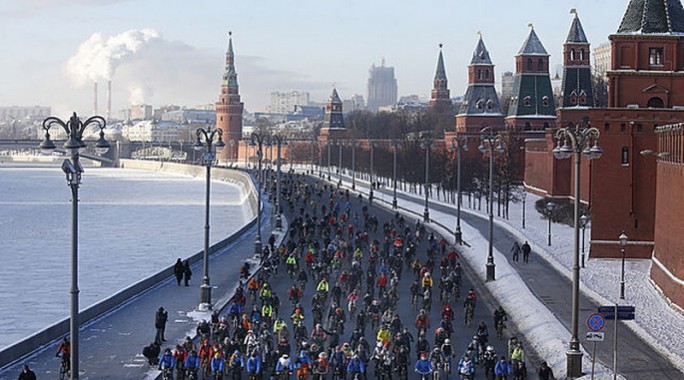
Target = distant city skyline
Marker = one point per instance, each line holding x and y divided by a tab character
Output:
164	52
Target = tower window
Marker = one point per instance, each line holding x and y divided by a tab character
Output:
530	65
606	127
572	54
624	157
655	102
479	104
540	65
583	97
479	74
655	56
528	126
581	54
527	101
545	101
489	104
486	74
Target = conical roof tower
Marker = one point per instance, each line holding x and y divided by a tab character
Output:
229	107
577	87
439	97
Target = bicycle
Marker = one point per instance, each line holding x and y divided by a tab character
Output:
167	373
500	326
191	374
414	301
468	314
425	375
64	370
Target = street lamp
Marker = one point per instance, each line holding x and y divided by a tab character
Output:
458	143
487	143
328	143
353	168
623	242
584	219
396	145
524	196
339	164
73	169
206	137
427	144
233	158
279	140
312	156
370	193
576	141
549	213
257	140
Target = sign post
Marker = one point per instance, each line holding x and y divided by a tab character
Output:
616	312
595	322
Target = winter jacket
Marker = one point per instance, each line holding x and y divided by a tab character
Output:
423	367
502	368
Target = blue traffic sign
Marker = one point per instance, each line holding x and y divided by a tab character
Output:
626	312
596	322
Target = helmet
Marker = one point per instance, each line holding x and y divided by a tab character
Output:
427	274
217	355
447	341
285	356
475	337
322	355
436	349
167	351
490	348
379	344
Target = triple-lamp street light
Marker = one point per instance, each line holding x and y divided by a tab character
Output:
493	143
73	169
257	140
524	197
623	242
339	163
426	143
279	141
353	165
206	138
457	144
577	141
395	146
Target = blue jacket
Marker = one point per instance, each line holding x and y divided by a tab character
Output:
423	367
235	308
356	366
254	365
466	368
167	361
192	361
502	368
217	364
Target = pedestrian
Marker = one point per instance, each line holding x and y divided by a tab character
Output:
151	353
187	272
179	270
160	319
545	372
526	252
27	373
516	251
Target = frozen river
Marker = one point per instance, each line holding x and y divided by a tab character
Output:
131	224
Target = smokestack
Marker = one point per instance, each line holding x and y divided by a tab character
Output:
109	99
94	98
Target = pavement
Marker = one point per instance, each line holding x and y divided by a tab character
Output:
111	346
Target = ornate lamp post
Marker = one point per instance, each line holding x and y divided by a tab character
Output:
395	145
73	169
231	144
427	143
206	137
488	140
257	140
549	214
576	141
370	193
339	163
524	196
329	143
353	167
279	140
459	143
584	219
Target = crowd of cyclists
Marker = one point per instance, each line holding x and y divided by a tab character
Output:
338	314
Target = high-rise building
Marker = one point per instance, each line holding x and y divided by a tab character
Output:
382	87
507	80
601	57
285	102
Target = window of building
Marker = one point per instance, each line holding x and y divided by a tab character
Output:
546	125
479	104
623	127
655	102
528	126
540	64
490	104
527	101
530	65
624	157
581	54
582	97
479	74
606	127
545	101
655	56
221	118
572	54
639	127
486	74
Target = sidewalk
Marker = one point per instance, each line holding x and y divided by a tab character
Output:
111	346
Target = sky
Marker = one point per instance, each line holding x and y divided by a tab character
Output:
173	51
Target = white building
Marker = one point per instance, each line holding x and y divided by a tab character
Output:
25	113
152	130
285	102
601	58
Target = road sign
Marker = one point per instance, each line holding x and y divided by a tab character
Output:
626	312
595	322
595	336
209	156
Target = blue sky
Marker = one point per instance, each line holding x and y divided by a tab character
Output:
280	45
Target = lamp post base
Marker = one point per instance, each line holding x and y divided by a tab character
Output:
426	216
394	203
353	186
205	296
459	236
257	248
574	365
279	222
491	271
370	196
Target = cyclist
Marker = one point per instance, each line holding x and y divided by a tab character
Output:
284	364
167	362
237	362
192	364
436	358
447	352
466	368
471	298
482	333
320	367
489	360
423	366
302	363
254	365
448	313
64	350
218	364
355	367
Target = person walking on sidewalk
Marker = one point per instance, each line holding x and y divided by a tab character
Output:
187	272
179	270
545	372
526	252
515	250
27	373
160	319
